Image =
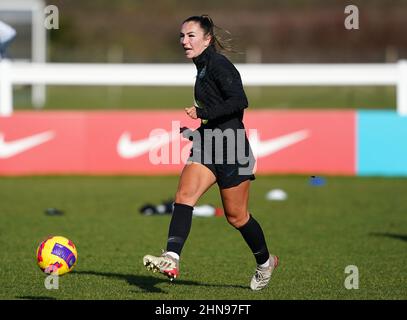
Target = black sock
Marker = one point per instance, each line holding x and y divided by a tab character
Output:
179	227
254	237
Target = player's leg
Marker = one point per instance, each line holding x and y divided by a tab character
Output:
195	180
235	203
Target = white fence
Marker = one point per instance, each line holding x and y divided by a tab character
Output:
12	73
35	22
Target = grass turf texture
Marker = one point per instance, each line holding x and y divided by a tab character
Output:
136	98
317	232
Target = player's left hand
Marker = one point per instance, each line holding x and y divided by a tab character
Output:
191	112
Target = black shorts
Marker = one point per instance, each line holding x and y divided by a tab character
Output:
227	175
231	166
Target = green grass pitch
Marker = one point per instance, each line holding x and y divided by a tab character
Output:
160	98
317	232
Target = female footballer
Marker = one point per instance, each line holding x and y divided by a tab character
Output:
219	104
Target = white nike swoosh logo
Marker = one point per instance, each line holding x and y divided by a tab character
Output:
127	148
267	147
12	148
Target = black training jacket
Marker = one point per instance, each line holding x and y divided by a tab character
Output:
219	93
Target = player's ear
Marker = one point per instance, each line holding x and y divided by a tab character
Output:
208	40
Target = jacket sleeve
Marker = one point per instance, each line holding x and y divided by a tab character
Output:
229	83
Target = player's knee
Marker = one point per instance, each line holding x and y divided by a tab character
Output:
237	219
186	197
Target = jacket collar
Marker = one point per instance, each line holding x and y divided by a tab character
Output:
203	58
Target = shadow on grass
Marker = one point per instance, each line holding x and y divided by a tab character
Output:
401	237
35	298
148	283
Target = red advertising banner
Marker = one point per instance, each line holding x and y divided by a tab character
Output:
149	143
305	141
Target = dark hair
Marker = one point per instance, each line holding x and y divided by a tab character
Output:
218	41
